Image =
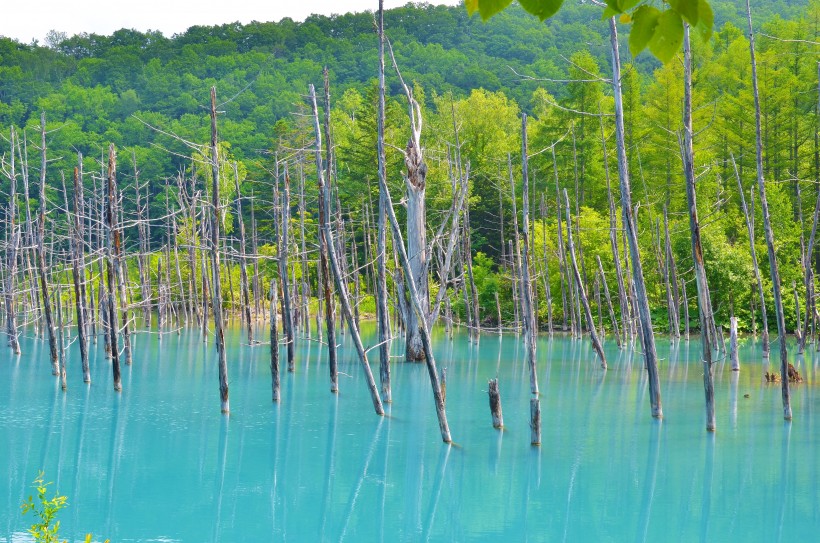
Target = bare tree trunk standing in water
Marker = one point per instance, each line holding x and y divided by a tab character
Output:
704	301
416	184
382	314
41	252
11	256
112	240
647	335
530	326
330	309
217	280
596	343
338	278
767	228
751	230
79	275
243	267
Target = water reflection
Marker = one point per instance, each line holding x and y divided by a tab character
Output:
650	478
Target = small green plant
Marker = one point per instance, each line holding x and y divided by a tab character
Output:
45	509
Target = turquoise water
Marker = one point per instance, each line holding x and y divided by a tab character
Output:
159	463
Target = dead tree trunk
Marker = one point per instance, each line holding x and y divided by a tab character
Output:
112	242
142	257
217	280
76	242
41	252
750	229
274	343
61	339
612	318
704	301
562	261
596	342
416	183
767	228
337	272
11	255
647	335
284	247
330	309
243	266
808	277
495	403
530	327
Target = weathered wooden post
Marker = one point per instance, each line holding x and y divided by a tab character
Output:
495	403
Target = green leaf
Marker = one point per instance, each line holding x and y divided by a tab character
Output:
488	8
668	36
706	20
626	5
644	21
688	9
543	9
471	5
609	12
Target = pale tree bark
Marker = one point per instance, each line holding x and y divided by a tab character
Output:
704	301
11	254
593	334
767	229
219	329
112	257
324	279
41	252
243	267
647	335
758	279
338	277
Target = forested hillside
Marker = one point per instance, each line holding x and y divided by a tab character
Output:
148	94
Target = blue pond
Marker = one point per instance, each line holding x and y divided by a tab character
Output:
160	463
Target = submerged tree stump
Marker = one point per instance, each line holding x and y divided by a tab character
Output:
495	403
535	421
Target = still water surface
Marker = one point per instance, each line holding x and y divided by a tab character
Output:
160	463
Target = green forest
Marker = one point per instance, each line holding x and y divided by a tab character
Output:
148	94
